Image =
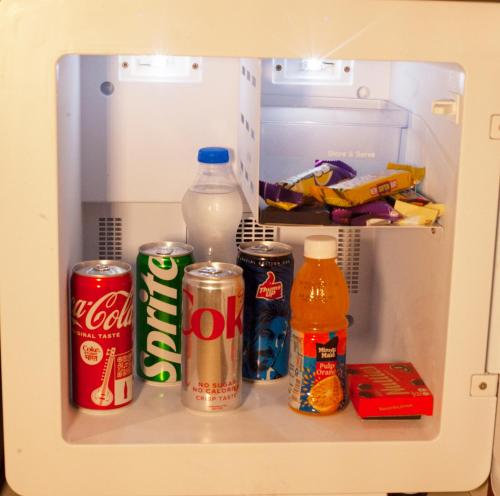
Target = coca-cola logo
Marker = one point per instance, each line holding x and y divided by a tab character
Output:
111	311
209	323
270	289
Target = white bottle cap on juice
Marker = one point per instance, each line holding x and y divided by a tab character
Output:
320	247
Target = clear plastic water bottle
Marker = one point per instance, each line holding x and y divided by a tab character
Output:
212	208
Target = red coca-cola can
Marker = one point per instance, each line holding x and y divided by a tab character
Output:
101	335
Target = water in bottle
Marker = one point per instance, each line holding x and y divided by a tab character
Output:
319	302
212	208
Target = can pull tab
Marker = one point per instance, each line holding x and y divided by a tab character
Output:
101	268
165	251
262	248
210	271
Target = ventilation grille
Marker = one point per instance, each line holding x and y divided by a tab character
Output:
250	230
110	238
349	252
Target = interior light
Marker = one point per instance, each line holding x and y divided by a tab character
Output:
312	70
312	65
162	68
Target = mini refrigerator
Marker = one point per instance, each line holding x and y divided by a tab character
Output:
103	107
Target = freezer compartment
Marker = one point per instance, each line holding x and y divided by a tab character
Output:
127	151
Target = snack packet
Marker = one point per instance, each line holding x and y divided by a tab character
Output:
280	197
366	214
410	196
416	209
296	190
418	173
324	173
367	188
417	215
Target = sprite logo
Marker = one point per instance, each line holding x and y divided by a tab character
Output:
161	334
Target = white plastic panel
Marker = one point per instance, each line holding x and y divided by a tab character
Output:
247	164
69	223
416	93
69	153
139	223
430	140
140	143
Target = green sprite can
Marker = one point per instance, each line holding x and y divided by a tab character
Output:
160	269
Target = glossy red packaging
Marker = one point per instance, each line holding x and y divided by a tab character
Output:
388	391
101	335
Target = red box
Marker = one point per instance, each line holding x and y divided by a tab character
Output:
388	391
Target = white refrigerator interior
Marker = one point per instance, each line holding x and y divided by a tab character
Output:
104	107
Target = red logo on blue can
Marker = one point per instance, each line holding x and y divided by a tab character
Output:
270	289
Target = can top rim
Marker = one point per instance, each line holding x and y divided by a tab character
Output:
166	249
213	271
101	268
266	249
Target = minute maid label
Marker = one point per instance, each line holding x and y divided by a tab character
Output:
327	352
317	372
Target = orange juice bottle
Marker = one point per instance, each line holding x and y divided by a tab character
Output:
319	303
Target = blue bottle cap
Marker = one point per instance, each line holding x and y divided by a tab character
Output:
213	155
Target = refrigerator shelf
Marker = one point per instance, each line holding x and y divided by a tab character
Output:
158	417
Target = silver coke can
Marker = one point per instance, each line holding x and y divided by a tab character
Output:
213	296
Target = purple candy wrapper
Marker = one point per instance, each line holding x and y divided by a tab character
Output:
357	216
277	193
340	170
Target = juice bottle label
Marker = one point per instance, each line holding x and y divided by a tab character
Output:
317	371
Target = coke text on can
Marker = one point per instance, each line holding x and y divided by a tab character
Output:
212	329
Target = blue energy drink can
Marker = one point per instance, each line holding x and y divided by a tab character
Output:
268	275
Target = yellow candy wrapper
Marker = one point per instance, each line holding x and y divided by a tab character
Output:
419	215
426	216
281	204
437	206
418	173
367	188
